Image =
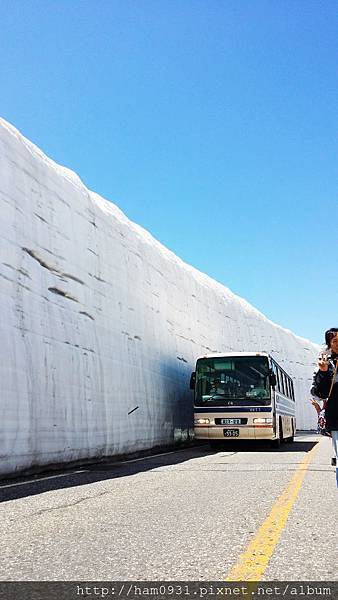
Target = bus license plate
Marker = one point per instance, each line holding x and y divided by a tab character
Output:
231	432
230	421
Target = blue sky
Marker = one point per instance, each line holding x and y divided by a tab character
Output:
210	123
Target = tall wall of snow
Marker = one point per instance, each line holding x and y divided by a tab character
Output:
101	325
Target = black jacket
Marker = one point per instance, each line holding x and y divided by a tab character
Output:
321	388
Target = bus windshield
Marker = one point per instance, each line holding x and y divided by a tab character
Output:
242	380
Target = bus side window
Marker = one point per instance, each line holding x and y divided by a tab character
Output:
286	386
278	381
283	384
292	391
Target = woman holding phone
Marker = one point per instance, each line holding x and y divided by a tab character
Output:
325	386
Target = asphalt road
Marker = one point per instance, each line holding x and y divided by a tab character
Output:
184	515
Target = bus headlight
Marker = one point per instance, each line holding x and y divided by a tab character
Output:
262	421
202	421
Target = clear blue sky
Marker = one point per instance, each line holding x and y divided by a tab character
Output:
210	123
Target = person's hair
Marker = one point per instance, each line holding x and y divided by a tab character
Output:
329	335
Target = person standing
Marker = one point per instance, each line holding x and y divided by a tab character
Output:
325	386
319	409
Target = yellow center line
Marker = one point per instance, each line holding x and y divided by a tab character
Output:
253	562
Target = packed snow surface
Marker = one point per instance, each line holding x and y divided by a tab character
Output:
102	325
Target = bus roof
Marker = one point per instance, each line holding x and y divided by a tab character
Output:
232	354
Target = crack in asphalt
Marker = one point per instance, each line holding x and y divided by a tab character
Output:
65	506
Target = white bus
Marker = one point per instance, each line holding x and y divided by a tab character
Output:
244	395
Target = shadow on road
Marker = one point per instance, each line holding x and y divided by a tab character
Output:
102	471
256	446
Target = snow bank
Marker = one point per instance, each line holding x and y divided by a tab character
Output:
101	324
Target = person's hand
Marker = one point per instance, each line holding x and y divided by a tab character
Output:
323	362
316	405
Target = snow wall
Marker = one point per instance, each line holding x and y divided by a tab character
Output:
101	324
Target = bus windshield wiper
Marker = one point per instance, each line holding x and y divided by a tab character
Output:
235	400
249	400
258	400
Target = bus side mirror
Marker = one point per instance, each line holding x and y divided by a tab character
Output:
273	380
192	380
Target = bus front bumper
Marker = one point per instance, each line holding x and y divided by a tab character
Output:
242	432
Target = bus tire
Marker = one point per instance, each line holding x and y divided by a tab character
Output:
277	442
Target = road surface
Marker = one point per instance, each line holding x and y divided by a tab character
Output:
244	512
